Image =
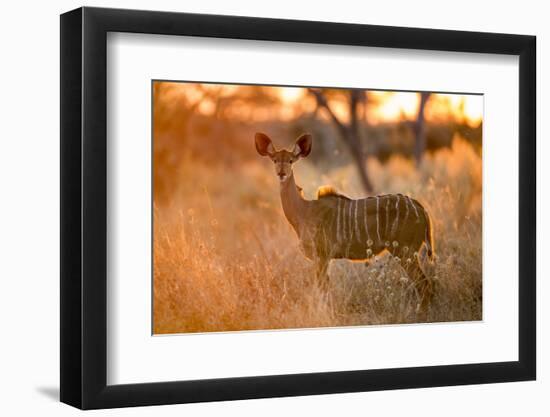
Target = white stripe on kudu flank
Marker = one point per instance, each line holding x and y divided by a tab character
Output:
357	231
388	198
396	221
344	237
346	220
415	210
378	219
344	225
350	220
365	218
407	207
338	236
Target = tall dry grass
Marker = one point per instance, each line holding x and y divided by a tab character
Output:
225	258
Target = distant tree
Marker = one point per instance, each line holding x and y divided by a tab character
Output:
420	129
247	102
173	111
350	132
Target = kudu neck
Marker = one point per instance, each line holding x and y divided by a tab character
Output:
294	205
289	187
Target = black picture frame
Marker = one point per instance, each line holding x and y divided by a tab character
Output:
84	207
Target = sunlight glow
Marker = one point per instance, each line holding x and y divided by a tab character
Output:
290	94
462	108
393	106
390	107
382	106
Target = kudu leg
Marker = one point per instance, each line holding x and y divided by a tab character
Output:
424	287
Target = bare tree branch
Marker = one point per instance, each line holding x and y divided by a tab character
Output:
322	102
350	134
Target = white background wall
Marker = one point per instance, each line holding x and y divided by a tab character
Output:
29	225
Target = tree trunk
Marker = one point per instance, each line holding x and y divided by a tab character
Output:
361	164
420	130
350	134
355	141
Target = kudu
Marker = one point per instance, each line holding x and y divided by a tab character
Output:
336	227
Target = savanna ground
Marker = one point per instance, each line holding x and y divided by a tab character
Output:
228	260
225	257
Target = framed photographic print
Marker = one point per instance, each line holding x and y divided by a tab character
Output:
257	208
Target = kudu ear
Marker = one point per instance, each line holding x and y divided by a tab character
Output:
264	146
303	145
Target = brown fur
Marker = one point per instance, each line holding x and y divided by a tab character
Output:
328	191
337	227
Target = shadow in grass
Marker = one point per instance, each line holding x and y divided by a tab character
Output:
50	392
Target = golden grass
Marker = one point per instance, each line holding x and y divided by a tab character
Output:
226	259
